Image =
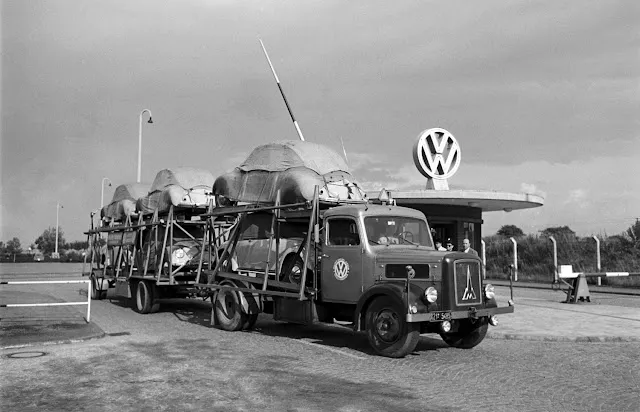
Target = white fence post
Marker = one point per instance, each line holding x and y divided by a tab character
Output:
555	259
598	258
484	259
515	259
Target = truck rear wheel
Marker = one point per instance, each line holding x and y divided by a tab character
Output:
229	310
387	329
96	293
468	335
145	301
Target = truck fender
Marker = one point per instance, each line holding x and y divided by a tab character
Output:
395	290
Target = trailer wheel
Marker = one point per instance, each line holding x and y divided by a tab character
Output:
468	335
229	310
96	294
145	299
388	332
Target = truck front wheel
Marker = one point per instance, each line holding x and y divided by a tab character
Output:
468	335
388	331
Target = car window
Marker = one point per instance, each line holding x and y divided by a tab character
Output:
342	232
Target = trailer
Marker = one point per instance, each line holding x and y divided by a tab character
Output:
393	289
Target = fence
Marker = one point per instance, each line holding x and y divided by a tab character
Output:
16	305
538	258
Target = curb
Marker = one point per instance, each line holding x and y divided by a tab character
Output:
554	338
57	342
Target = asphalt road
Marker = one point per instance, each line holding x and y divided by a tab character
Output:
173	360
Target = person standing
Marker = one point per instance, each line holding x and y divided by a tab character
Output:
467	247
449	245
439	246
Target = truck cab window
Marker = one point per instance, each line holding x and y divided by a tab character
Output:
343	232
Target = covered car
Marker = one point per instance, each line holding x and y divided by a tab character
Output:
123	203
181	187
292	167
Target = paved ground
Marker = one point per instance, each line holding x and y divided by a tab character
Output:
547	356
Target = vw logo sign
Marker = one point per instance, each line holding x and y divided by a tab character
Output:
436	154
341	269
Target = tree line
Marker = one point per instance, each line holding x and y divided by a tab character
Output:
45	243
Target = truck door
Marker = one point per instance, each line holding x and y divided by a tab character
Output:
341	261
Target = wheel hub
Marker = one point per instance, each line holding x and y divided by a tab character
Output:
387	326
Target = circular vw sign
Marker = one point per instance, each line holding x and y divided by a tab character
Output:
341	269
436	153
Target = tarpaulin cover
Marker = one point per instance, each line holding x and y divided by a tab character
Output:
124	199
294	168
182	187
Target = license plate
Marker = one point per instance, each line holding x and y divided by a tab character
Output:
440	315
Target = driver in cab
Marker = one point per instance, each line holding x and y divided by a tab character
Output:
389	237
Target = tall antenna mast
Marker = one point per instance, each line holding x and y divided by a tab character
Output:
295	123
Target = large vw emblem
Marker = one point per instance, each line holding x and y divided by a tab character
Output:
436	154
341	269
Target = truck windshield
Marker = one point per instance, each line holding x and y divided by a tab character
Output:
395	230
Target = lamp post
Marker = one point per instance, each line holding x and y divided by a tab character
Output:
140	141
102	194
58	206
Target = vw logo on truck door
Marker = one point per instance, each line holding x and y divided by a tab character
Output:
340	269
436	154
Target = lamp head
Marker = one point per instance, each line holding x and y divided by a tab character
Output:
150	120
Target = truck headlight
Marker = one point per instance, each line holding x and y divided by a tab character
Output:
489	291
431	294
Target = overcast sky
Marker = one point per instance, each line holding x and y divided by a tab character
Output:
543	97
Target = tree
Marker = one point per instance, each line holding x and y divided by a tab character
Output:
633	234
559	232
510	231
13	247
77	245
46	242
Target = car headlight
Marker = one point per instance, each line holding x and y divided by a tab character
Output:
431	294
180	256
489	291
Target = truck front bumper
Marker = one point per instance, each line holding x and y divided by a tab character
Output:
472	313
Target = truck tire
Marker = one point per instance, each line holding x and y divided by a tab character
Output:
96	294
144	301
228	310
387	329
468	334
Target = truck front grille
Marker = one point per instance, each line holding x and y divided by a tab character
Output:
467	282
418	271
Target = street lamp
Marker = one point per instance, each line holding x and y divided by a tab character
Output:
140	141
102	194
58	206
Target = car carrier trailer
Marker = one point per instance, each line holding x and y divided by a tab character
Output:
152	257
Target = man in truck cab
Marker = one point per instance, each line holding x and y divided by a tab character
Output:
389	237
